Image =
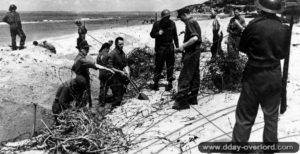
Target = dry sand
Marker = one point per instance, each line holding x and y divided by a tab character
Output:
32	75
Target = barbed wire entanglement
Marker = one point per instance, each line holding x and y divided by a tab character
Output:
84	131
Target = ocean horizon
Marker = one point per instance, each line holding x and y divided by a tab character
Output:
39	25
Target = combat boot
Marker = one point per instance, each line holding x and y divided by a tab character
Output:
154	86
169	86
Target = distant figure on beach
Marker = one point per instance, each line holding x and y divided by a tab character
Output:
189	78
235	28
165	34
13	19
81	33
46	45
216	48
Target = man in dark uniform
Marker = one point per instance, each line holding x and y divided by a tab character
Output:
13	19
189	78
104	75
117	61
235	28
66	93
165	34
81	32
265	42
81	68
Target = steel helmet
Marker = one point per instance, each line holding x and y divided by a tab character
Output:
78	22
165	13
12	7
270	6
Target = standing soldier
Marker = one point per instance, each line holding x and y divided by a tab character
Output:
117	61
13	19
235	28
216	48
81	32
265	42
165	34
189	78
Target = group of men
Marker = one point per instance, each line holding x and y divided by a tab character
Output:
264	40
113	74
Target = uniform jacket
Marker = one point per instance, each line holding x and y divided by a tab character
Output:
13	19
168	37
81	66
192	29
265	41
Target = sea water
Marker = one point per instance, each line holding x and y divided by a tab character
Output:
41	25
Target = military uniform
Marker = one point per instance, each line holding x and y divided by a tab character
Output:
164	48
68	92
13	19
81	68
104	76
189	78
81	35
234	36
265	42
118	82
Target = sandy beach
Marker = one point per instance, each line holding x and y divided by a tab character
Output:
33	75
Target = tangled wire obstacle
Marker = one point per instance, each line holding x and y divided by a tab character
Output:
223	74
83	131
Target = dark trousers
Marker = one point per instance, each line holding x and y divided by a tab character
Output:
164	54
21	34
117	85
260	87
104	77
216	47
189	79
233	46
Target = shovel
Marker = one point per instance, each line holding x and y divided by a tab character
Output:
141	96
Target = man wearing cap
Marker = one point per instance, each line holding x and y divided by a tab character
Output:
117	61
81	32
13	19
265	42
189	78
235	27
81	68
165	34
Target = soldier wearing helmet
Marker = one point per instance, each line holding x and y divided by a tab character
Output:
13	19
265	42
81	33
165	34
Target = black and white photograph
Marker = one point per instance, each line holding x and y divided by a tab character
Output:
149	76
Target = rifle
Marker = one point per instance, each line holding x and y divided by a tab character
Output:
293	11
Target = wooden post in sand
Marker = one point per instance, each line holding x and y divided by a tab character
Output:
34	120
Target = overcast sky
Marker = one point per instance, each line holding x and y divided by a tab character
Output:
96	5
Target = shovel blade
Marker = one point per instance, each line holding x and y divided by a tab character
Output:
143	96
